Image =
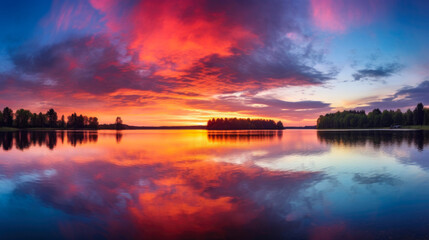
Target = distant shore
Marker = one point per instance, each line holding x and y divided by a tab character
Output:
368	130
12	129
199	127
404	128
359	119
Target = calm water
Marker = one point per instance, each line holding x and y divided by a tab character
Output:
186	184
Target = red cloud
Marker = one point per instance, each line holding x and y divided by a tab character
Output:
175	35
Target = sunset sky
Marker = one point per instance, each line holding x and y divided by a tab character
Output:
164	62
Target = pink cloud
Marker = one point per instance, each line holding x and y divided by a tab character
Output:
337	16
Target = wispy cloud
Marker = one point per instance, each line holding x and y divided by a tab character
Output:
250	105
404	98
378	72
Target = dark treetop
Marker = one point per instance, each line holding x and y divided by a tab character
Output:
25	119
242	123
374	119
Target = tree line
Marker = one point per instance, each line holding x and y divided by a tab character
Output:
25	119
242	123
374	119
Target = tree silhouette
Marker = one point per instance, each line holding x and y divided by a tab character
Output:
409	117
33	120
62	123
398	117
280	125
22	118
387	118
75	121
419	114
93	122
118	123
41	120
7	117
52	118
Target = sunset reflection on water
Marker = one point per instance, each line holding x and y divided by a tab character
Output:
202	184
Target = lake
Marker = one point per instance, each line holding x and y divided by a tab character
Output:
198	184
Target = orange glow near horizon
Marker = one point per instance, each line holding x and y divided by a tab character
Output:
153	109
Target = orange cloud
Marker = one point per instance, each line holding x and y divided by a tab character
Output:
175	35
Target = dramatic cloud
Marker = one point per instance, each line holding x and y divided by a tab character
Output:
404	98
239	44
86	64
264	68
378	72
147	53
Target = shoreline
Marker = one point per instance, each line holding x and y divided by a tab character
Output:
405	128
414	128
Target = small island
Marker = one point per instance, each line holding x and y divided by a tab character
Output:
352	119
243	124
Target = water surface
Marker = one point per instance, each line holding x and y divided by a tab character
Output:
187	184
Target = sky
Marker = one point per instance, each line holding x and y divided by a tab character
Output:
162	62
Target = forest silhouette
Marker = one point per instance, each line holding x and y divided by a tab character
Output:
25	119
242	124
374	119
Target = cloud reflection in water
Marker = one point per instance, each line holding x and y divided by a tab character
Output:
197	184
